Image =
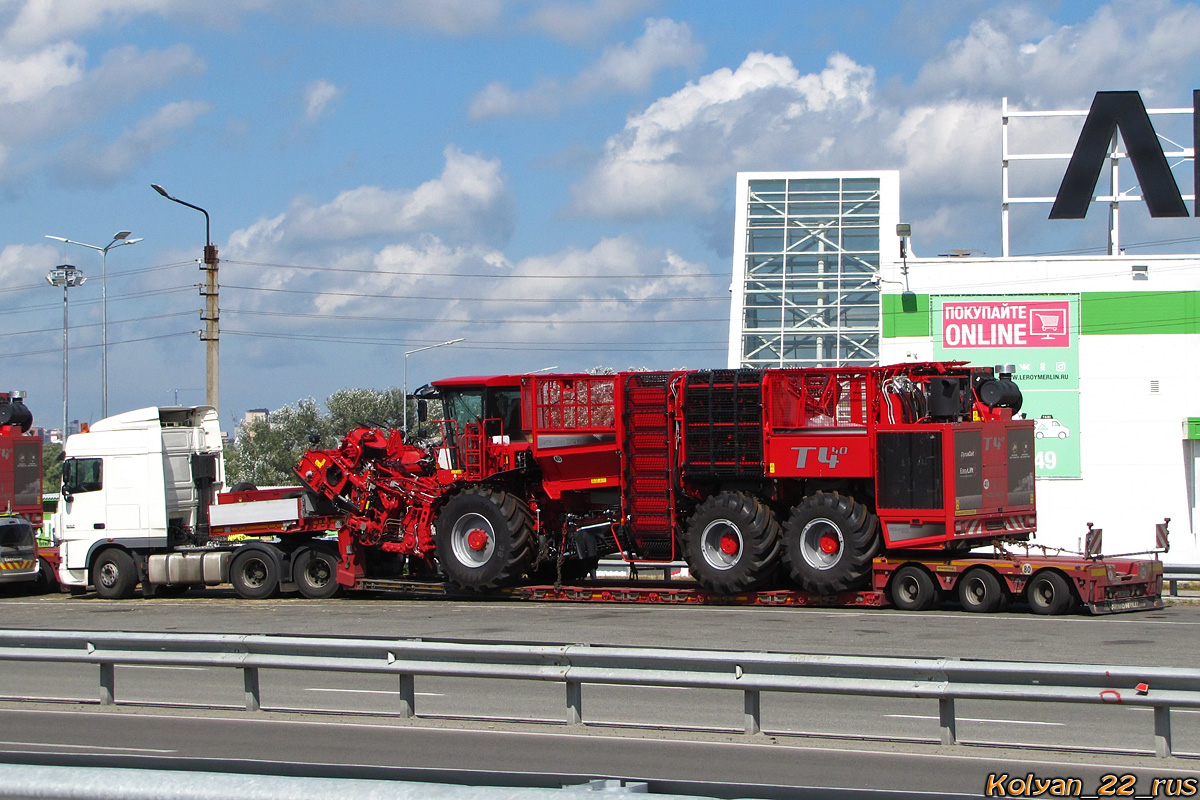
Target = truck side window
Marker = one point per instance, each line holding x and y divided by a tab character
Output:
82	475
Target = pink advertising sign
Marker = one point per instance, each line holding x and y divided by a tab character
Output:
1009	323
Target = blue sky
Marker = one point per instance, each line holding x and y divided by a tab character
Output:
549	179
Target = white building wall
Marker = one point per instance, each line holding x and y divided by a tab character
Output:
1136	394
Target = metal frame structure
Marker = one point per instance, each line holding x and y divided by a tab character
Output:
806	267
1115	154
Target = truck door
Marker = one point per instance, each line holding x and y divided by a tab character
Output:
82	513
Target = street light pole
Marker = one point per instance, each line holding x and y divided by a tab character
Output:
68	277
212	308
404	386
118	240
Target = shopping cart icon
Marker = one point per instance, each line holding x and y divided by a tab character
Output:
1048	324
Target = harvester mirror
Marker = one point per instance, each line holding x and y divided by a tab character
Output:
314	438
422	410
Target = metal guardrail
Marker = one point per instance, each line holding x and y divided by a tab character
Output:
1173	575
752	674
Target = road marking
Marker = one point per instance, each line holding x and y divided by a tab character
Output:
972	719
373	691
87	747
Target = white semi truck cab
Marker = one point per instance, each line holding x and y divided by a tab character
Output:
138	481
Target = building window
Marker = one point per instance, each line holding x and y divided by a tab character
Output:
812	252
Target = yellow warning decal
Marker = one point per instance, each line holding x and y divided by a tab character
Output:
772	467
16	565
599	480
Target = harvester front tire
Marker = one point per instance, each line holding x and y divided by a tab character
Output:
828	543
732	543
114	575
484	539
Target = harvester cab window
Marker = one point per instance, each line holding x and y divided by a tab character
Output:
462	408
505	405
82	475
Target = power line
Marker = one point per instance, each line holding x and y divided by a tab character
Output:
477	320
24	353
582	347
654	276
484	299
97	324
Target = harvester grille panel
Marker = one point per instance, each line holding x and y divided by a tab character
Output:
723	424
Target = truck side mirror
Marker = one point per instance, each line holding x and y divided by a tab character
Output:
422	410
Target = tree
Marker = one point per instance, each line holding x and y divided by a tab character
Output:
51	468
267	450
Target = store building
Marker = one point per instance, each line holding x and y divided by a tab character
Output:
1105	347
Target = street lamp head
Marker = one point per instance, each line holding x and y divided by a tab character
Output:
160	190
58	238
66	275
120	235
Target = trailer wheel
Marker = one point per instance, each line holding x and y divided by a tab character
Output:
732	543
114	575
254	575
980	591
914	589
829	541
315	574
484	539
1049	592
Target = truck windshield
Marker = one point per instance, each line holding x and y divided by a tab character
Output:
82	475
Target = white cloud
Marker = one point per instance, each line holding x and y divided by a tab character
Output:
29	77
671	157
665	44
318	96
469	206
87	162
576	22
22	264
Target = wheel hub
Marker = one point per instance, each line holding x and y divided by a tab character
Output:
729	544
829	544
477	540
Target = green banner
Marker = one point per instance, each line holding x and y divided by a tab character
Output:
1039	336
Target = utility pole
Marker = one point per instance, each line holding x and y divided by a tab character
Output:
211	315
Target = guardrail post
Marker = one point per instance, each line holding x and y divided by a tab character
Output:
753	707
1162	731
574	703
408	696
250	681
947	721
108	684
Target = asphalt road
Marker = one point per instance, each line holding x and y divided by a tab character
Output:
796	751
1168	637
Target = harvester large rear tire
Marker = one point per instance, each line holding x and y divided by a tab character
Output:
732	543
484	539
829	541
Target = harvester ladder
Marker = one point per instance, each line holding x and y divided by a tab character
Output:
648	497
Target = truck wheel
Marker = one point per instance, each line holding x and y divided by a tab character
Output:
315	574
980	591
484	539
829	541
732	543
914	589
1049	593
114	575
254	575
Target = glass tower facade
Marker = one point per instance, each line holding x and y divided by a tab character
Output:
807	265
